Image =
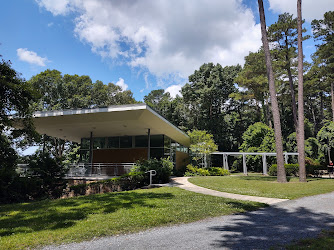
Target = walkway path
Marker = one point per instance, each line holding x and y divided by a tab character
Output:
182	182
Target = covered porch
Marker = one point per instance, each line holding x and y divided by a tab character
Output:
112	139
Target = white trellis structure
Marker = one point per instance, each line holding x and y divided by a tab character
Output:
244	167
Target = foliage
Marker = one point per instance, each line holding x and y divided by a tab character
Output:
326	138
257	138
195	171
16	95
216	171
163	167
293	169
8	161
290	169
312	147
323	31
87	217
201	146
212	171
47	172
160	101
205	96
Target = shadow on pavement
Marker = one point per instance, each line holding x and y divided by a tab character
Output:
271	227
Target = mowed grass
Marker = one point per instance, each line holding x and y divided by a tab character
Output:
265	186
82	218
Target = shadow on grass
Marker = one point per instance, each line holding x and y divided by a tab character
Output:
262	178
57	214
272	227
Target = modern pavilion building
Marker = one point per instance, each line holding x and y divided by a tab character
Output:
113	138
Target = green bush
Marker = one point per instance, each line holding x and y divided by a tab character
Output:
163	167
312	165
48	174
215	171
293	169
290	169
212	171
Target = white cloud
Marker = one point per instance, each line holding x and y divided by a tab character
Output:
165	37
57	7
50	24
31	57
310	9
122	84
174	90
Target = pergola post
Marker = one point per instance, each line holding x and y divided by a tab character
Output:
264	161
244	164
226	162
286	157
223	155
148	143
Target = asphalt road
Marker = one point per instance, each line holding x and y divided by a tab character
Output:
276	225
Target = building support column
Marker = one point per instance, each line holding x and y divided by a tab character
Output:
244	164
148	144
91	148
264	161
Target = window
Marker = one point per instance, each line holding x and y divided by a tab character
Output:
125	142
99	142
113	142
85	143
141	141
157	141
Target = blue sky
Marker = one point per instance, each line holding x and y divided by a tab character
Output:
140	45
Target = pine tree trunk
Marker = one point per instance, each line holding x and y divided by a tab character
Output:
332	95
321	108
293	99
281	176
300	133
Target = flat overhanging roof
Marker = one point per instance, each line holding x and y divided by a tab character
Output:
118	120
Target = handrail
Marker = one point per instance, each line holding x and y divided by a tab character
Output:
98	169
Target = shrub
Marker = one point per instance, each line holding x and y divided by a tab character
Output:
163	167
212	171
312	165
215	171
47	173
293	169
290	169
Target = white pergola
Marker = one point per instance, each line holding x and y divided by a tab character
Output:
264	159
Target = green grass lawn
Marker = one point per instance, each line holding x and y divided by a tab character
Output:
265	186
82	218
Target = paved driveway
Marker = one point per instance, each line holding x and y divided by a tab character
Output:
278	224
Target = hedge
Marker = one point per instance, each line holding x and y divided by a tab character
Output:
212	171
293	169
